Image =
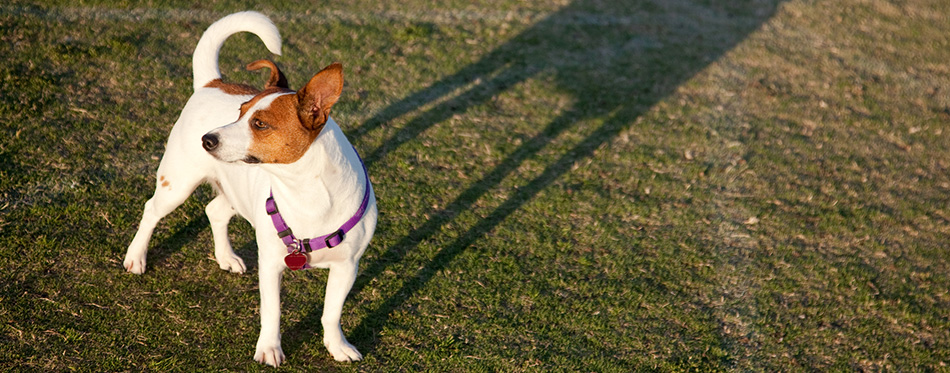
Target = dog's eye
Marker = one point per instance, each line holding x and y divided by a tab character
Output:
258	124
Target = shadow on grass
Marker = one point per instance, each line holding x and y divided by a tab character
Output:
616	60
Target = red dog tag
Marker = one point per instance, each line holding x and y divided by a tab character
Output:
295	260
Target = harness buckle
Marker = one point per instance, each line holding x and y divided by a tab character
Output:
335	239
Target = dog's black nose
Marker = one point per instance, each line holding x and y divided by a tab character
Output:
209	141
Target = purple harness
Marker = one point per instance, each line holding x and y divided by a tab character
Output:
295	259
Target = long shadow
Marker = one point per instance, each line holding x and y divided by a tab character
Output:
616	59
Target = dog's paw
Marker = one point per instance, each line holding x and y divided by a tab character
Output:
270	355
343	351
134	263
231	262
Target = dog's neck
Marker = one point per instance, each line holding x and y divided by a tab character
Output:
323	180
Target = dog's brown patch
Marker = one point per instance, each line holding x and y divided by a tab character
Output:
165	183
284	130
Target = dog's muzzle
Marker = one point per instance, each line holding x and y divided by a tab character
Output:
211	142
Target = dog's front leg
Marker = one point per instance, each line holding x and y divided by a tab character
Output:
271	271
339	283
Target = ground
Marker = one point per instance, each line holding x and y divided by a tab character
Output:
754	185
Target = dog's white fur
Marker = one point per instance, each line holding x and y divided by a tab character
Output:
316	194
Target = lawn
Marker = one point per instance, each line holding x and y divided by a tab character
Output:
755	185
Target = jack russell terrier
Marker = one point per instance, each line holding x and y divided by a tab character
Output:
261	150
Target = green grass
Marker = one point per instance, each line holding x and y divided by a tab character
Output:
571	186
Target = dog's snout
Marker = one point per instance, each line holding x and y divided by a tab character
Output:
209	141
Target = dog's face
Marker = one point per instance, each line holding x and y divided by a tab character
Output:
278	125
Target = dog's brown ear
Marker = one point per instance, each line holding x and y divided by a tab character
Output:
319	95
277	78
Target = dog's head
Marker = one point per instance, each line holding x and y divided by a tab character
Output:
278	125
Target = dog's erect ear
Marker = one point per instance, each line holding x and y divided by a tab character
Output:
315	100
277	78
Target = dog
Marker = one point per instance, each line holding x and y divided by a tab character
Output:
276	158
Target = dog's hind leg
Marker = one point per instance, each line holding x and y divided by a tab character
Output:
170	191
219	212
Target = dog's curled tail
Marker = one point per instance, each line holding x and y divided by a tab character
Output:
205	60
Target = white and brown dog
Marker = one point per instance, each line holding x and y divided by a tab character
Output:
260	150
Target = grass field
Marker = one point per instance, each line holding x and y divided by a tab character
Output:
585	185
